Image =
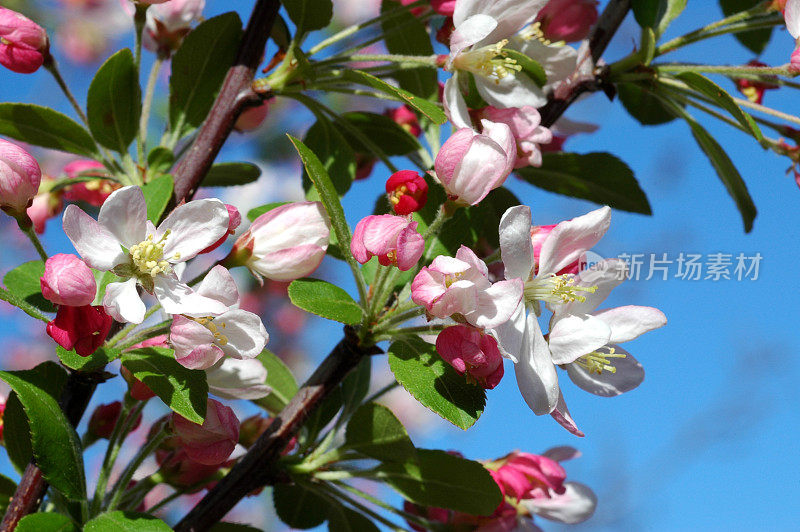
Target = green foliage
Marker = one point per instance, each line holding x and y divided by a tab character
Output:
42	126
327	142
356	386
46	522
198	69
530	67
97	360
157	194
114	103
309	15
24	282
756	40
159	160
298	506
598	177
384	132
434	383
126	522
640	103
710	89
183	390
254	213
405	34
280	380
56	446
343	519
442	480
375	432
7	489
426	107
319	418
657	14
230	174
325	300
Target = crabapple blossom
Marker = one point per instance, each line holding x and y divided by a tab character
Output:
529	134
234	220
83	329
792	15
459	287
408	192
104	417
285	243
232	378
473	353
567	20
45	205
138	390
252	117
471	164
753	89
405	118
20	177
93	192
67	280
212	442
23	43
168	24
393	239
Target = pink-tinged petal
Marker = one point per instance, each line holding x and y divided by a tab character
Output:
569	240
791	14
219	284
470	31
460	297
536	374
575	505
483	168
122	302
509	335
212	442
193	344
410	247
573	336
504	137
177	298
515	242
454	104
201	357
427	287
238	379
451	154
562	416
291	263
562	453
68	281
513	90
193	227
245	333
605	276
628	375
511	15
631	321
124	214
95	244
496	304
477	266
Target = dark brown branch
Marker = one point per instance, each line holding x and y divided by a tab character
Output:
607	25
259	466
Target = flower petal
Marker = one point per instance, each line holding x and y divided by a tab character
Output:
193	344
605	276
561	414
511	15
97	245
238	379
570	239
515	242
513	90
631	321
219	284
177	298
629	374
496	305
193	227
246	335
455	106
536	374
470	31
124	213
122	302
509	334
573	336
575	505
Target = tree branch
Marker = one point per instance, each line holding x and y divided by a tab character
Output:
607	25
259	466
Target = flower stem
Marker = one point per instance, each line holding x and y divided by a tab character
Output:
147	104
383	391
119	488
27	228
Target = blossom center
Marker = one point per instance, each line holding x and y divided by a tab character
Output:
396	194
148	256
534	31
488	61
555	289
451	278
596	362
208	323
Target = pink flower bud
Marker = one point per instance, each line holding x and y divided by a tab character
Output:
285	243
92	192
169	23
530	476
234	220
252	117
470	351
408	192
567	20
23	43
405	118
795	60
83	329
44	206
753	89
67	280
444	7
470	164
105	417
525	125
2	413
138	390
181	471
19	177
437	515
364	165
212	442
393	239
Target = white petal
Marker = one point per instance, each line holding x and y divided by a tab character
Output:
497	304
124	213
122	302
573	336
791	14
631	321
516	246
562	416
245	333
472	30
509	334
514	90
575	505
219	284
536	374
177	298
568	240
562	453
193	227
94	243
511	15
454	104
559	62
628	376
605	276
238	379
482	169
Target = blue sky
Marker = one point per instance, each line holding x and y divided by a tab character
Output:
707	442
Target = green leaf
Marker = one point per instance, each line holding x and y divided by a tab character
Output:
325	300
24	281
126	522
280	380
157	194
648	12
434	383
321	416
299	507
756	40
46	522
114	103
707	87
160	159
376	432
344	519
405	34
426	107
198	69
56	446
642	105
184	390
324	139
442	480
230	174
42	126
390	137
356	386
598	177
7	489
103	279
530	67
674	8
232	527
254	213
97	360
309	15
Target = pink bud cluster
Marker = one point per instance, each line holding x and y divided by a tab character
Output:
23	43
